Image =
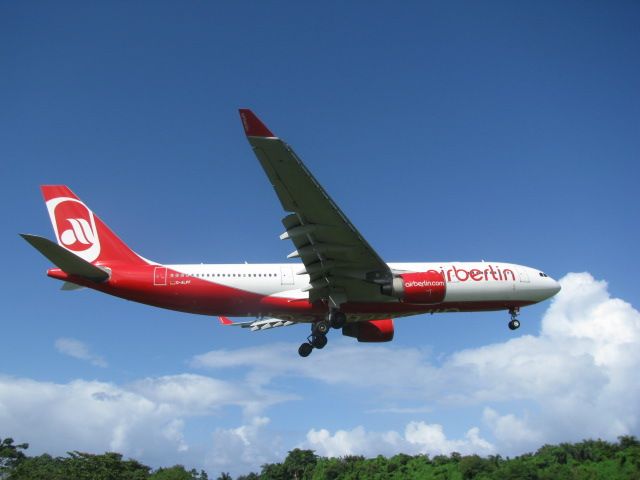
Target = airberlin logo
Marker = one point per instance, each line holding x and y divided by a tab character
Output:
75	227
80	232
490	272
424	283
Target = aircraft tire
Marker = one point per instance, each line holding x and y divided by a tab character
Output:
514	324
305	349
321	328
319	341
338	320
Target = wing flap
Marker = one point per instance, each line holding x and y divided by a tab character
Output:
254	325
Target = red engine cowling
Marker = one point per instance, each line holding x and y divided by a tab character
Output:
370	331
420	287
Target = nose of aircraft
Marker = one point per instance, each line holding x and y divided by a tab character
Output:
554	287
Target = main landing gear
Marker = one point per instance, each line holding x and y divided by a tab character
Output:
318	338
514	324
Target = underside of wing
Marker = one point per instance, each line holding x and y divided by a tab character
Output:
341	265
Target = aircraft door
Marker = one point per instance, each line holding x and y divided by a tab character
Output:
286	276
160	276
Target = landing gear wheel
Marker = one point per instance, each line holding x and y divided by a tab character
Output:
337	320
305	349
321	328
514	324
319	341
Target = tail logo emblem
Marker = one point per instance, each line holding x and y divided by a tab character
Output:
75	227
80	232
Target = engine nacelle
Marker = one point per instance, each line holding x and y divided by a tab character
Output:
370	331
419	287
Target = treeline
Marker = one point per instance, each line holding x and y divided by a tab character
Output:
589	459
16	465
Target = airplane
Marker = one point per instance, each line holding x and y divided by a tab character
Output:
340	282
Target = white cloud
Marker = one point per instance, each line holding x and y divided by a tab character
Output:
77	349
401	371
145	419
245	447
191	394
580	372
511	430
417	438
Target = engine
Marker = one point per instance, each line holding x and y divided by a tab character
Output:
370	331
419	287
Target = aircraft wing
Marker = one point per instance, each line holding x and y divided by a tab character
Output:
342	266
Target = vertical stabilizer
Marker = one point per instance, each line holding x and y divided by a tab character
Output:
82	232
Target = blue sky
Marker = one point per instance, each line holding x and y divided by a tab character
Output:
463	131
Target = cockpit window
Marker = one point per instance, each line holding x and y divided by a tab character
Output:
543	274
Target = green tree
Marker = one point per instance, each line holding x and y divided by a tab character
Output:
588	459
10	454
107	466
177	472
519	468
250	476
273	471
473	465
626	441
80	466
300	464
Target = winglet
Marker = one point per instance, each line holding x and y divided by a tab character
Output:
253	126
225	321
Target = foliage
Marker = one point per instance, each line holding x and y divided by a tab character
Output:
178	472
16	465
10	454
589	459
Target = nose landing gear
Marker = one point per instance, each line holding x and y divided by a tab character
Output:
318	338
514	324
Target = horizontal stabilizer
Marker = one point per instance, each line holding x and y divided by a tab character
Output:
66	261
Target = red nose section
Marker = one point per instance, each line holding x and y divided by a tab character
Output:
253	126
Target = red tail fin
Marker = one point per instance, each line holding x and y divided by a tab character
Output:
80	231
